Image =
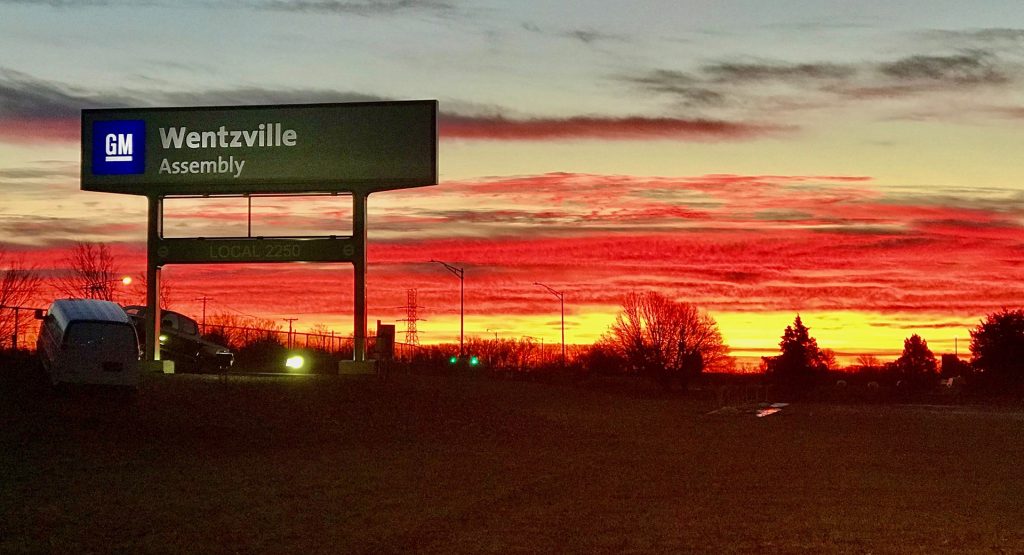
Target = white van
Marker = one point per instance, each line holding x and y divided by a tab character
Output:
88	341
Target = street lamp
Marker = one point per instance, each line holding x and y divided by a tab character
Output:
561	299
461	274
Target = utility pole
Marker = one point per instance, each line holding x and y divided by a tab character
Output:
17	322
289	320
461	274
204	298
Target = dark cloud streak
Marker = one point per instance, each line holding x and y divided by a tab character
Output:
34	110
626	128
366	8
968	68
25	97
731	89
744	72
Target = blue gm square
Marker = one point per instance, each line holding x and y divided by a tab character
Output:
119	147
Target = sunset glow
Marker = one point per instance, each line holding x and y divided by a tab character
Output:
860	170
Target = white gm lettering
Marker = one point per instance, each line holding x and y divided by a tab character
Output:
118	147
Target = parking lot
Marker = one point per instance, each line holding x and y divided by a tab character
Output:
324	464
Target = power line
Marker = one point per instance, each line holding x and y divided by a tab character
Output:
235	310
204	298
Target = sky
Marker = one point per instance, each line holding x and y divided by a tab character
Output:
856	163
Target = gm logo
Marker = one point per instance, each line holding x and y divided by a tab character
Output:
118	147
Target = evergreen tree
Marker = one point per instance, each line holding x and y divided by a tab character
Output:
801	362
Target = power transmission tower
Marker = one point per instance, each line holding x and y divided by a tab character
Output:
412	337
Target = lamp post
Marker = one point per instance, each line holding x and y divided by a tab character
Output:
561	299
461	274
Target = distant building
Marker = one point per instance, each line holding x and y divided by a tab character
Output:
952	366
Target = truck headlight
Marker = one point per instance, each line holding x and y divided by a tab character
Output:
295	362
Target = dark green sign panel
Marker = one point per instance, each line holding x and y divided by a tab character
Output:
353	147
221	251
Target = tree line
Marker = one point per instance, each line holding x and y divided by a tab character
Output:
654	336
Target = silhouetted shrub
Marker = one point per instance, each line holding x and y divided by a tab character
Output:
263	355
997	346
916	369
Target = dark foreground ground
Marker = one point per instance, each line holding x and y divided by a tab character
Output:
429	464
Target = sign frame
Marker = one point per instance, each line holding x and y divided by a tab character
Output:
420	170
321	127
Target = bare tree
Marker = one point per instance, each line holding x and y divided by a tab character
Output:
91	272
318	337
667	340
19	285
163	296
868	362
237	331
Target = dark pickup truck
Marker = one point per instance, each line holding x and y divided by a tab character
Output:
181	342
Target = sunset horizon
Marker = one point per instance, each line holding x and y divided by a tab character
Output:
856	167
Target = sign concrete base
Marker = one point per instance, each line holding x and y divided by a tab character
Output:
356	367
158	366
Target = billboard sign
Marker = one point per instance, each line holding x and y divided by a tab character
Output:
350	147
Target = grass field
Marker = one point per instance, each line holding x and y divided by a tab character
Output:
429	464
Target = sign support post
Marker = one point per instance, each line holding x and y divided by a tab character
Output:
154	231
359	279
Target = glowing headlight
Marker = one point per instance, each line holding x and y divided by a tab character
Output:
295	362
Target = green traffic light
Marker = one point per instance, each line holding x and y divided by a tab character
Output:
473	361
453	360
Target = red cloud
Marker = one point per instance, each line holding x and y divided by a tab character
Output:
727	243
39	130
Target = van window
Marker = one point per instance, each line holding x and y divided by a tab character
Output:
189	327
169	321
98	334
